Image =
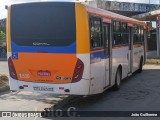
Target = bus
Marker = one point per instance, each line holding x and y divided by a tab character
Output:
71	48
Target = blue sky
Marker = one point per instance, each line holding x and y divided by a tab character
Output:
3	12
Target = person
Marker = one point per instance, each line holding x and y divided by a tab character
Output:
0	51
3	52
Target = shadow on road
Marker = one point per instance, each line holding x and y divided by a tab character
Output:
140	92
136	91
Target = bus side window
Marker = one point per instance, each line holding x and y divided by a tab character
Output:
138	35
96	32
124	33
116	33
142	35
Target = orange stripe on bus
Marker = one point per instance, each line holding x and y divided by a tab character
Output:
116	47
97	51
137	45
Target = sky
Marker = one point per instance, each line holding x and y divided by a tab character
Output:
3	12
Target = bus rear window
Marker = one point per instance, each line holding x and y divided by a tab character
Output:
43	24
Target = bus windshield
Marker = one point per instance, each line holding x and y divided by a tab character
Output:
47	24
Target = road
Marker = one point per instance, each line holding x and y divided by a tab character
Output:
141	92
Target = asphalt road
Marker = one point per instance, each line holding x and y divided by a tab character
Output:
141	92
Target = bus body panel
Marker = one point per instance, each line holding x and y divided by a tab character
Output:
138	52
82	87
119	56
75	88
32	70
8	30
98	62
82	29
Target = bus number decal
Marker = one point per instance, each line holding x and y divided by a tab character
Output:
63	78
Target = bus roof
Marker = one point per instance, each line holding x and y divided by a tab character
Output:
113	15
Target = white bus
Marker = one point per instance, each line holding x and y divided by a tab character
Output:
71	48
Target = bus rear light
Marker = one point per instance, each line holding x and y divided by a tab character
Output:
78	71
61	88
12	70
25	85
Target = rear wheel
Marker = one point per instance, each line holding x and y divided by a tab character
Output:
118	79
140	65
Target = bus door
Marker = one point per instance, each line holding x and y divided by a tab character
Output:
130	54
106	30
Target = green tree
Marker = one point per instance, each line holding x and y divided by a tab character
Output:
2	37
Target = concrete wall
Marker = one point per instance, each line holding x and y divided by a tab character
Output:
121	7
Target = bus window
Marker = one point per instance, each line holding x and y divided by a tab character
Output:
96	32
136	37
116	33
33	26
124	33
142	35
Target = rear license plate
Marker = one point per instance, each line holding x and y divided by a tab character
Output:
44	73
43	88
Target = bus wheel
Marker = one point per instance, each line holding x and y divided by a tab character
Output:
140	65
118	79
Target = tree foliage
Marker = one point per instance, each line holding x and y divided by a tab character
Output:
2	37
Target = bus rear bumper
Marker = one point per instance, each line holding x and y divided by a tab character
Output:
78	88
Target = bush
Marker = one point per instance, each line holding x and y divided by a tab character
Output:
4	77
2	37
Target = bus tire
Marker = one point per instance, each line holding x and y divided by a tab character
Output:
140	65
118	79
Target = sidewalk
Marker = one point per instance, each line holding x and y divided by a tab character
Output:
3	59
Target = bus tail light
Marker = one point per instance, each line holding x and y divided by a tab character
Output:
78	71
12	70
